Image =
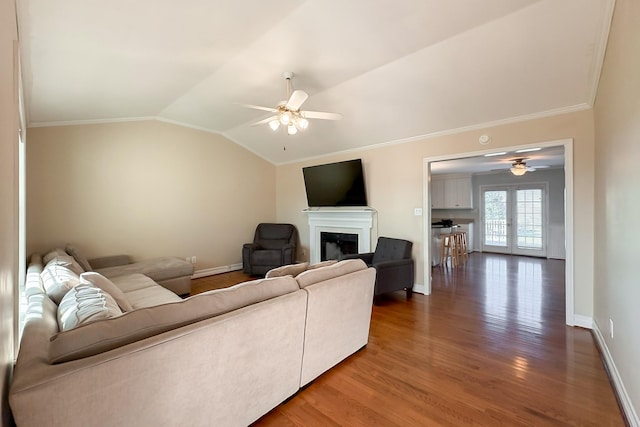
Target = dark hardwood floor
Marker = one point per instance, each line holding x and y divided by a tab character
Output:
488	347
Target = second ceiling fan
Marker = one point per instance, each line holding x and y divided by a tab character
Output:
288	113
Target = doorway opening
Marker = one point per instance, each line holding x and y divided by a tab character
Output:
567	145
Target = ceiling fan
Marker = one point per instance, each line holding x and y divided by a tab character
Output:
519	167
288	113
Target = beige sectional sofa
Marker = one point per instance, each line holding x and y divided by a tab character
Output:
171	272
222	358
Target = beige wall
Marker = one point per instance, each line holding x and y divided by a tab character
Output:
617	124
145	189
8	197
394	180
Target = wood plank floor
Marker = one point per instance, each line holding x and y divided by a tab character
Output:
489	347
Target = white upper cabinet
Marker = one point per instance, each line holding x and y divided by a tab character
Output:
437	194
451	192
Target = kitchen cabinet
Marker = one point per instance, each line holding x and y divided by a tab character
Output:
451	192
437	194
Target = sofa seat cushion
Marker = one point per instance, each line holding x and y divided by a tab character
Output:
321	274
105	335
140	291
158	269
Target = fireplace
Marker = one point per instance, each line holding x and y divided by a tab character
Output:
356	222
337	245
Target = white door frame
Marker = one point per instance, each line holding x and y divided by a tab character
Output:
512	246
568	215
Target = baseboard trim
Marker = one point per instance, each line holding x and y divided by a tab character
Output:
618	386
216	270
419	289
583	321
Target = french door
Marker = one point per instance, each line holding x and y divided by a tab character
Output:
514	219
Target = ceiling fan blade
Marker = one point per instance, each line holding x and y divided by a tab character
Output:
297	99
258	107
263	121
321	115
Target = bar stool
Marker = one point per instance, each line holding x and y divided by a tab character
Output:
449	250
461	246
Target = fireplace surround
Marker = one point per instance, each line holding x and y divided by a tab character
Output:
357	221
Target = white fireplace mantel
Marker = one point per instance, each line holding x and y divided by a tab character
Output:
339	220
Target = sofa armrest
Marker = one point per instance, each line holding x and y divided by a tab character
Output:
366	257
109	261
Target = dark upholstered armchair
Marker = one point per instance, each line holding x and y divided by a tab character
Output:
393	263
273	245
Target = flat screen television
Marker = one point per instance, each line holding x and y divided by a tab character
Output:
335	184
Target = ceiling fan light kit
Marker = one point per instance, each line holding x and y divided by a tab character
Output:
519	167
288	113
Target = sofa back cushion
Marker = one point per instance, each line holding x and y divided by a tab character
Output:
287	270
79	257
105	335
322	264
33	284
321	274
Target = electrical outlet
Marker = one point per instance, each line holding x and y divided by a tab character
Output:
193	259
611	328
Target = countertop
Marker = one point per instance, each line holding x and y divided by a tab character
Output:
455	220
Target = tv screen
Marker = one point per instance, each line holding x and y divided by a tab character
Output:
335	184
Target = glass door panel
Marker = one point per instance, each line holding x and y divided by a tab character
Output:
496	214
522	206
529	238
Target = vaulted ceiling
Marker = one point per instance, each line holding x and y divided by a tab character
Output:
394	69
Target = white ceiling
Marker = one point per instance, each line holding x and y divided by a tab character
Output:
542	159
395	69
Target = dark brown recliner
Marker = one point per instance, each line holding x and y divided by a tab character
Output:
273	245
393	263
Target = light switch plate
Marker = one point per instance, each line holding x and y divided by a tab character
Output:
417	211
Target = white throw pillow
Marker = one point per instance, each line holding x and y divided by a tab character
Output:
99	281
52	254
83	304
57	279
66	261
